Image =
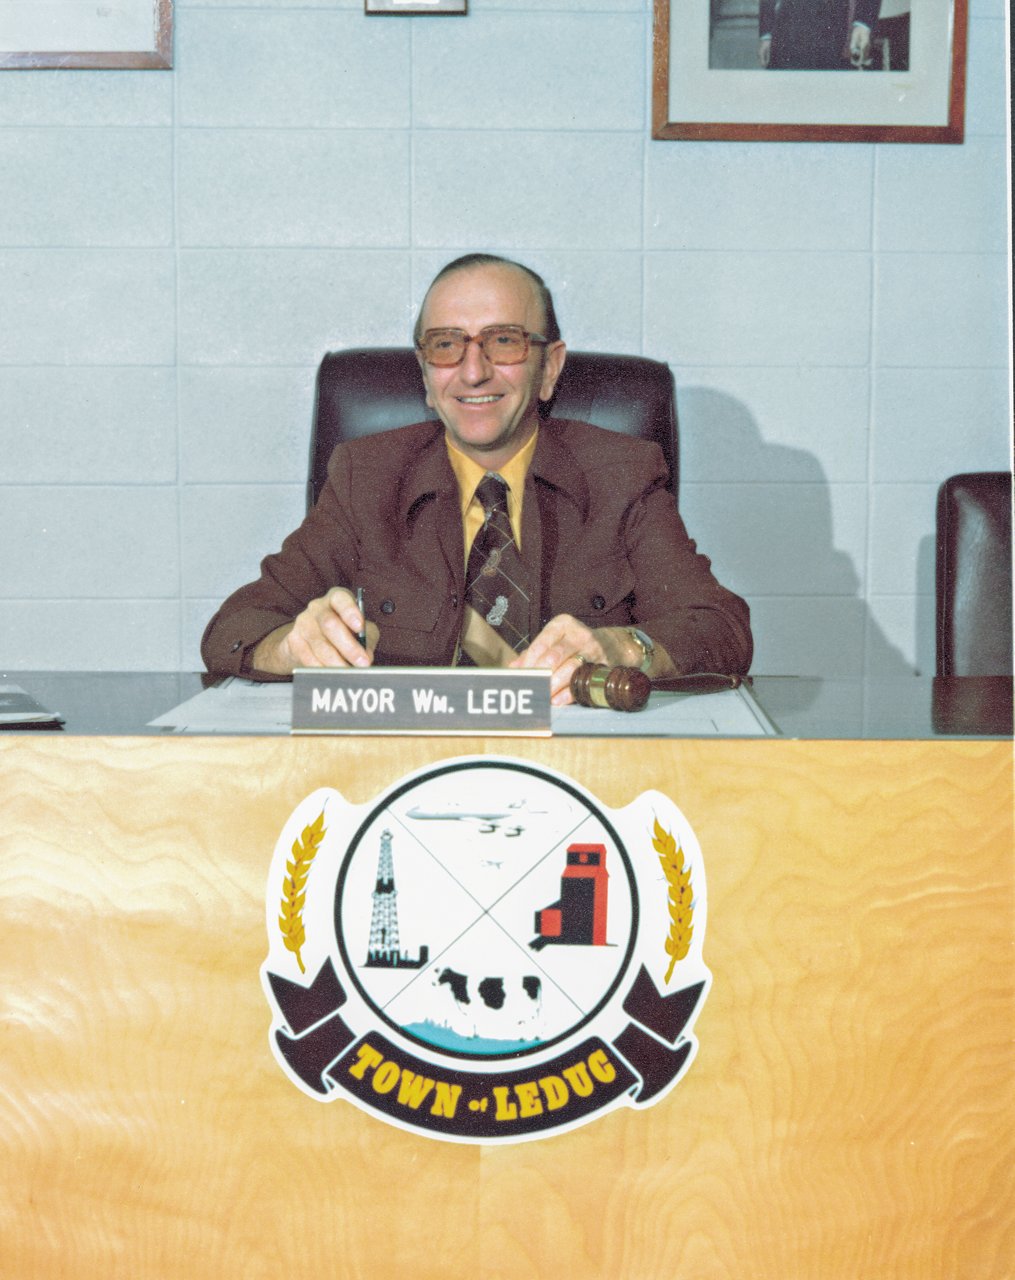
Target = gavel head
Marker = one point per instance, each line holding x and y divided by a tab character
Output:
619	688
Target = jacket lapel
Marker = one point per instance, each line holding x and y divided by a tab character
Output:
430	482
555	471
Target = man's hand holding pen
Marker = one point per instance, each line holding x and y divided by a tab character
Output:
332	631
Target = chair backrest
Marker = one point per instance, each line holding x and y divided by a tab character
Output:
974	575
363	391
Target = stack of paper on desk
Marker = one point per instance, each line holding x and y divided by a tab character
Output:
19	707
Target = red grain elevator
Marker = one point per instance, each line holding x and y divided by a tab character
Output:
578	918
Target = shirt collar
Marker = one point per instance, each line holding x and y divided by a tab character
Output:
551	461
468	473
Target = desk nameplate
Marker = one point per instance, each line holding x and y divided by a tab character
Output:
455	701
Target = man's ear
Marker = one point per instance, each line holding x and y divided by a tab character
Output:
553	364
422	368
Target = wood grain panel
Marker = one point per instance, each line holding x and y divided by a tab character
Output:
849	1113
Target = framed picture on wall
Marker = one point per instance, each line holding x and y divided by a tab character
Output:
128	34
809	70
416	6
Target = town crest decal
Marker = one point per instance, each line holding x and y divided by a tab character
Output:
485	953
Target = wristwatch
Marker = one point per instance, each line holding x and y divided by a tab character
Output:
646	646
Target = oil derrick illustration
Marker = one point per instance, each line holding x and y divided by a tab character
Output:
578	917
383	949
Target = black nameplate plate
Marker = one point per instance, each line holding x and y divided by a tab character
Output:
457	700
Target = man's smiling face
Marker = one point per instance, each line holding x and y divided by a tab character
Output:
489	410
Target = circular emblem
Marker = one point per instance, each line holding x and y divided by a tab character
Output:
478	925
486	952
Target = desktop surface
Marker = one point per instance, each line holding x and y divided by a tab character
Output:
107	702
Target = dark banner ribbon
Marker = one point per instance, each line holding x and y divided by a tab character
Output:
485	1105
483	1102
666	1017
309	1053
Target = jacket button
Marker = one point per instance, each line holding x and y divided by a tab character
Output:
237	645
598	602
387	606
454	599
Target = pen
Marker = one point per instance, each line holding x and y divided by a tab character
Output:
361	636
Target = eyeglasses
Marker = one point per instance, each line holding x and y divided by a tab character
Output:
500	343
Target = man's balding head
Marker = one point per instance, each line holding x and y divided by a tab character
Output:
469	261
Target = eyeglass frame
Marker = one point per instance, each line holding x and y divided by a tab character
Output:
530	338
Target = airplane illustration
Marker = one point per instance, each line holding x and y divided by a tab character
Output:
489	820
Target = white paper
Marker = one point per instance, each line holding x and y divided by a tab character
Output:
234	706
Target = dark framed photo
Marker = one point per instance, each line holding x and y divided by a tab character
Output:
809	70
416	6
131	34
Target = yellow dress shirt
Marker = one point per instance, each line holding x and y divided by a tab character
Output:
469	473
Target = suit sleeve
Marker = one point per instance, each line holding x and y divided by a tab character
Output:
678	601
319	555
867	12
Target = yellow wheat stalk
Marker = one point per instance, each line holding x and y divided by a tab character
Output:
294	887
678	881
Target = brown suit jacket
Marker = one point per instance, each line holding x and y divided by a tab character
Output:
600	535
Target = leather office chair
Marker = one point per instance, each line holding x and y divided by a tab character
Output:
974	575
360	392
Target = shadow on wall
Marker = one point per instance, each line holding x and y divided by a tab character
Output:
763	513
926	602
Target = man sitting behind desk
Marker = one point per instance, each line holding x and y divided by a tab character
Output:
495	539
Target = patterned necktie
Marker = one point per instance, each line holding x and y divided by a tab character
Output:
496	584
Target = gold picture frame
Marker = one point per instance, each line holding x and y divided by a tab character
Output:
129	35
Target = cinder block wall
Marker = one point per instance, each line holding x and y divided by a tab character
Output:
178	249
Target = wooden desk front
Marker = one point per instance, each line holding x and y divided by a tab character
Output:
849	1114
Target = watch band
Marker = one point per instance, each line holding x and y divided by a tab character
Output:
645	643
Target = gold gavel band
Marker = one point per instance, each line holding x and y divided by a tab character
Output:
597	686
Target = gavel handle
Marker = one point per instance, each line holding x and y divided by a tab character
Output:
627	689
700	682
